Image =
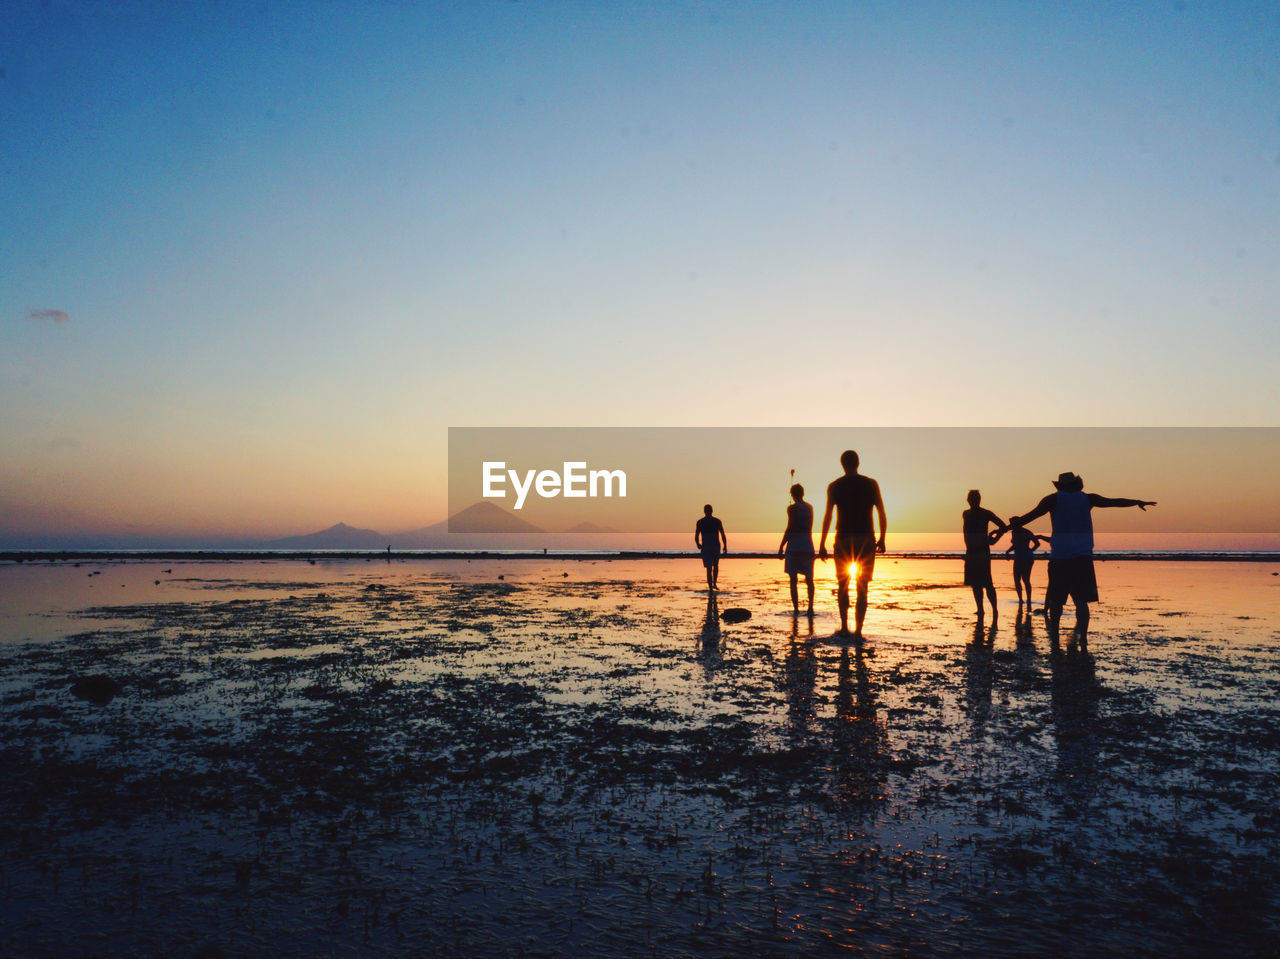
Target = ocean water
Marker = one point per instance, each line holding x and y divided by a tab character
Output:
553	757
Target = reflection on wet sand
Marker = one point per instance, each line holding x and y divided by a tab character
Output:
583	758
1075	714
710	651
979	677
859	738
801	676
1026	656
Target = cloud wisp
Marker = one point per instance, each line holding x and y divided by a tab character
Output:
49	316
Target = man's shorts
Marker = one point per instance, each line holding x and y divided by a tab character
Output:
1071	577
798	564
977	569
710	557
860	549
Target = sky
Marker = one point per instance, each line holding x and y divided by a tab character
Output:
259	257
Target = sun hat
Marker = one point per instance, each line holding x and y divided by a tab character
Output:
1069	482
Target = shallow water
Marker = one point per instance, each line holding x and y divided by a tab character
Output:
554	757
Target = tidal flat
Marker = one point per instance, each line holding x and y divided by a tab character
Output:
581	758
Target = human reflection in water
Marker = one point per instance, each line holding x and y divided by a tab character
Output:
1024	628
710	644
800	672
979	676
859	739
1074	701
1026	665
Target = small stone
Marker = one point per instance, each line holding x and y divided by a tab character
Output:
98	690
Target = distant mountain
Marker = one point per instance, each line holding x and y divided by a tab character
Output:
339	536
488	518
480	526
461	529
589	527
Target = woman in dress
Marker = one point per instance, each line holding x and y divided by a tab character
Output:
796	547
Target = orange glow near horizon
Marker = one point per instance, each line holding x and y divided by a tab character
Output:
1208	483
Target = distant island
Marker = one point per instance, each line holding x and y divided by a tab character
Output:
478	519
338	536
591	528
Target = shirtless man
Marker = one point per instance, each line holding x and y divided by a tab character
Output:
853	496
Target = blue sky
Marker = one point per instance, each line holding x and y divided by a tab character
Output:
259	257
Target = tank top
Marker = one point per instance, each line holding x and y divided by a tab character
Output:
1072	526
800	530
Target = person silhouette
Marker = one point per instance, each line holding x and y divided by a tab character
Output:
853	496
1023	546
708	535
1071	571
978	538
797	546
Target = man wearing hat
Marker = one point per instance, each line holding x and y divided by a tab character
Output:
1071	548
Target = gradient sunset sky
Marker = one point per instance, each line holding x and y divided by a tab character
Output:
258	257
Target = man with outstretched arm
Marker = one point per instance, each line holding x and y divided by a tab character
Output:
853	496
1071	549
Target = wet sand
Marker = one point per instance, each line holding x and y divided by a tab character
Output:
493	758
